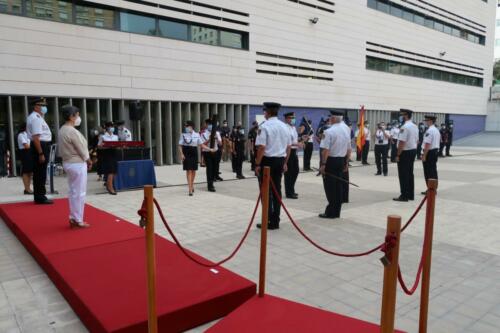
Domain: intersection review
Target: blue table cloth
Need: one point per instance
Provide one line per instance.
(134, 174)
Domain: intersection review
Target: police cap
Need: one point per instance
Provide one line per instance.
(407, 112)
(430, 117)
(120, 122)
(271, 106)
(189, 123)
(289, 114)
(39, 100)
(336, 113)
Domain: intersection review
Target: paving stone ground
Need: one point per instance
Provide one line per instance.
(465, 286)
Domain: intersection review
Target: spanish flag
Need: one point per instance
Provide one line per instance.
(360, 140)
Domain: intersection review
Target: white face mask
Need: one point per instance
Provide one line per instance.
(78, 121)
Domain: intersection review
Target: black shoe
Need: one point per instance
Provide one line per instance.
(400, 199)
(423, 193)
(411, 199)
(378, 174)
(449, 155)
(365, 163)
(190, 194)
(240, 177)
(211, 189)
(28, 192)
(292, 196)
(385, 175)
(110, 192)
(218, 178)
(324, 216)
(44, 202)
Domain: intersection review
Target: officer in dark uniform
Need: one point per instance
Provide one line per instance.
(224, 133)
(39, 133)
(444, 139)
(407, 150)
(432, 139)
(421, 132)
(274, 144)
(211, 142)
(238, 141)
(293, 161)
(252, 135)
(449, 127)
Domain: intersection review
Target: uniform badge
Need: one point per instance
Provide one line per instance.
(402, 130)
(258, 132)
(427, 134)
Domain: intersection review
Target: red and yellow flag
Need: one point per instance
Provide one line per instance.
(360, 140)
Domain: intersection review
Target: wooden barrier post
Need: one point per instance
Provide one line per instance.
(264, 190)
(151, 260)
(426, 271)
(390, 276)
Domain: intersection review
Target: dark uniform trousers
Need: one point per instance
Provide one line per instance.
(218, 159)
(366, 150)
(40, 172)
(308, 150)
(320, 157)
(449, 143)
(238, 159)
(394, 149)
(405, 172)
(292, 173)
(210, 164)
(430, 165)
(381, 158)
(345, 185)
(334, 187)
(253, 154)
(276, 165)
(419, 149)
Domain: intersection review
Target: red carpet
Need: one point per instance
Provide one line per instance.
(101, 271)
(272, 314)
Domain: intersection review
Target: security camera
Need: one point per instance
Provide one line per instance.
(314, 20)
(442, 54)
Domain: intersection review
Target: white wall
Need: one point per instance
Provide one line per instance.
(46, 58)
(493, 117)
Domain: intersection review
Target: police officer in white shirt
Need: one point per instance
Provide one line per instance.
(394, 142)
(431, 142)
(293, 161)
(366, 147)
(407, 151)
(345, 185)
(382, 137)
(41, 137)
(189, 142)
(23, 144)
(124, 133)
(211, 140)
(336, 146)
(274, 145)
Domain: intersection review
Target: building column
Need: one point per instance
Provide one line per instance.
(222, 114)
(158, 134)
(237, 114)
(109, 111)
(169, 160)
(121, 111)
(56, 116)
(176, 130)
(244, 116)
(26, 107)
(12, 137)
(230, 115)
(205, 113)
(70, 101)
(84, 118)
(197, 116)
(148, 138)
(97, 113)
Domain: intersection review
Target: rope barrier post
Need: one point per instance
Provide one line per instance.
(390, 274)
(426, 272)
(264, 190)
(151, 260)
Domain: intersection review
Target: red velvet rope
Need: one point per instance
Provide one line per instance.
(142, 213)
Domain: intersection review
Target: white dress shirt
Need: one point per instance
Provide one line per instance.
(275, 136)
(205, 139)
(409, 135)
(433, 137)
(294, 136)
(336, 140)
(23, 139)
(192, 139)
(36, 125)
(380, 135)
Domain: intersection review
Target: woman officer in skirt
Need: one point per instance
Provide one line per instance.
(188, 149)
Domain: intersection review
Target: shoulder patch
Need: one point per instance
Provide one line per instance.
(402, 130)
(259, 131)
(427, 134)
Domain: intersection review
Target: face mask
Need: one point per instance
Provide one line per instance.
(96, 133)
(110, 130)
(367, 125)
(44, 110)
(242, 131)
(78, 121)
(383, 127)
(293, 121)
(401, 119)
(225, 125)
(209, 127)
(187, 130)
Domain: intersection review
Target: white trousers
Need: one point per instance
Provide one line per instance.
(77, 189)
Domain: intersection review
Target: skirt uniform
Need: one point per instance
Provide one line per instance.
(26, 161)
(190, 158)
(109, 161)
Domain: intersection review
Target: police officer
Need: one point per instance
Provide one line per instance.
(41, 137)
(124, 133)
(444, 139)
(293, 162)
(226, 144)
(449, 127)
(336, 153)
(421, 132)
(394, 142)
(252, 135)
(431, 141)
(307, 137)
(345, 185)
(209, 147)
(274, 144)
(366, 147)
(238, 151)
(382, 137)
(407, 150)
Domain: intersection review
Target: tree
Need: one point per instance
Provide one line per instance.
(496, 72)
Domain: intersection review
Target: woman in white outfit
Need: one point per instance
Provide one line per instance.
(74, 152)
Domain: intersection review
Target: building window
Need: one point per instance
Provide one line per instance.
(408, 14)
(202, 35)
(172, 29)
(95, 17)
(231, 39)
(395, 67)
(11, 6)
(139, 24)
(60, 11)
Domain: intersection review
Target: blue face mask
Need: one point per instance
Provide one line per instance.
(110, 130)
(401, 119)
(44, 110)
(293, 122)
(187, 130)
(209, 127)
